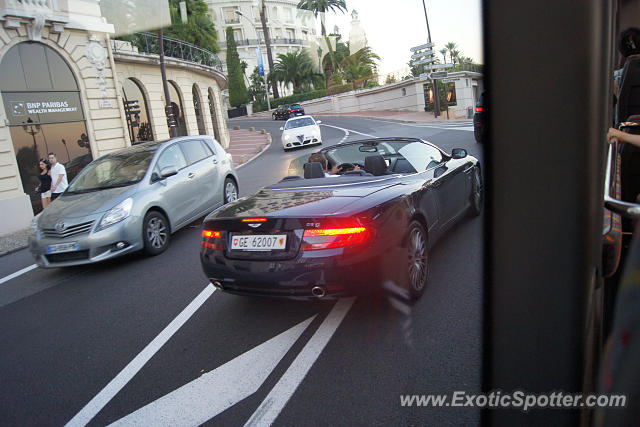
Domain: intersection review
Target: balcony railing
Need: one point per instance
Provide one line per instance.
(148, 43)
(274, 41)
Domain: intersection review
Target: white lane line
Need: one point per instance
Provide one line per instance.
(18, 273)
(347, 130)
(96, 404)
(278, 397)
(214, 392)
(453, 126)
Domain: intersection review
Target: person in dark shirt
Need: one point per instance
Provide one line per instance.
(45, 182)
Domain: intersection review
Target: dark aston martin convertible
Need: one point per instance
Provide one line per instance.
(322, 235)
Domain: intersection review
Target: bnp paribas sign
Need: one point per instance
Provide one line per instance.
(42, 107)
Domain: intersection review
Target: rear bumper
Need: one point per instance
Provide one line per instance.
(337, 273)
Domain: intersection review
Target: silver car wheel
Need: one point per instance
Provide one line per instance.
(417, 259)
(230, 191)
(156, 233)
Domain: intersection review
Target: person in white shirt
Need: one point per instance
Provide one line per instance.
(58, 177)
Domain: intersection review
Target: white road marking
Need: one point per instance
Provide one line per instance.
(18, 273)
(278, 397)
(96, 404)
(465, 126)
(214, 392)
(347, 131)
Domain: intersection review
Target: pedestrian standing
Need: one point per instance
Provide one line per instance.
(58, 177)
(45, 182)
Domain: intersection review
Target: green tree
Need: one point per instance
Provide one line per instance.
(198, 30)
(451, 46)
(257, 90)
(323, 6)
(294, 68)
(444, 51)
(359, 66)
(237, 90)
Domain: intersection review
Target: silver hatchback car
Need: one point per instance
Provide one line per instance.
(133, 199)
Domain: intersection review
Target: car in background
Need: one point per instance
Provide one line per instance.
(284, 112)
(347, 234)
(479, 120)
(281, 113)
(300, 132)
(133, 199)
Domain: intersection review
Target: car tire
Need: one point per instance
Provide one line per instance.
(477, 193)
(417, 260)
(230, 191)
(156, 234)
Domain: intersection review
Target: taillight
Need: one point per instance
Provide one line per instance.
(329, 238)
(254, 219)
(211, 240)
(478, 109)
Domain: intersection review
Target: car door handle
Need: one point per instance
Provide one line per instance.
(215, 160)
(436, 184)
(191, 175)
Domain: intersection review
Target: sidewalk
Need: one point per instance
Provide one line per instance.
(243, 147)
(394, 116)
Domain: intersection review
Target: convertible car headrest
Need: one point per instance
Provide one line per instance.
(313, 170)
(629, 91)
(375, 165)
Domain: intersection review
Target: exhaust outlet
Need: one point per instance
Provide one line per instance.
(217, 284)
(318, 291)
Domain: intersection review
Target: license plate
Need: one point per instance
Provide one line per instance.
(258, 242)
(63, 247)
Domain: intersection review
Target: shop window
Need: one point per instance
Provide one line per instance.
(44, 113)
(136, 111)
(197, 102)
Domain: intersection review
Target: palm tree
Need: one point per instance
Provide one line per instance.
(323, 6)
(443, 51)
(451, 46)
(455, 56)
(294, 68)
(359, 66)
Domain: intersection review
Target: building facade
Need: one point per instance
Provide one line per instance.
(290, 29)
(68, 88)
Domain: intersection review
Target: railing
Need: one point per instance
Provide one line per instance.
(254, 42)
(466, 67)
(148, 43)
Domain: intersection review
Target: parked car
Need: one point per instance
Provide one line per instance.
(347, 234)
(479, 120)
(301, 131)
(133, 199)
(296, 110)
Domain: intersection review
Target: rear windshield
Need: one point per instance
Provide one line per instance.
(296, 107)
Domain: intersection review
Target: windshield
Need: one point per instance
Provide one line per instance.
(297, 123)
(116, 170)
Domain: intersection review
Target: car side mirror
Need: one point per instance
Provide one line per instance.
(168, 171)
(318, 121)
(281, 128)
(458, 153)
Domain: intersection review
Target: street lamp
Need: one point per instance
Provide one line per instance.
(259, 55)
(32, 130)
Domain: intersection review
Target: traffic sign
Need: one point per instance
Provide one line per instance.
(424, 76)
(424, 61)
(449, 80)
(421, 47)
(421, 54)
(436, 66)
(438, 75)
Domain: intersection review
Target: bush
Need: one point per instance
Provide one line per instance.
(340, 89)
(298, 97)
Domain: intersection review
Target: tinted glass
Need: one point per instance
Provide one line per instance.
(34, 62)
(13, 76)
(139, 124)
(292, 124)
(195, 151)
(60, 72)
(172, 156)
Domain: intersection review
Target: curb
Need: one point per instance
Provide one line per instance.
(261, 151)
(10, 251)
(392, 119)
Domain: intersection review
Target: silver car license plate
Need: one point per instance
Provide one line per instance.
(63, 247)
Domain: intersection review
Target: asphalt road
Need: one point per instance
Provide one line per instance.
(147, 341)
